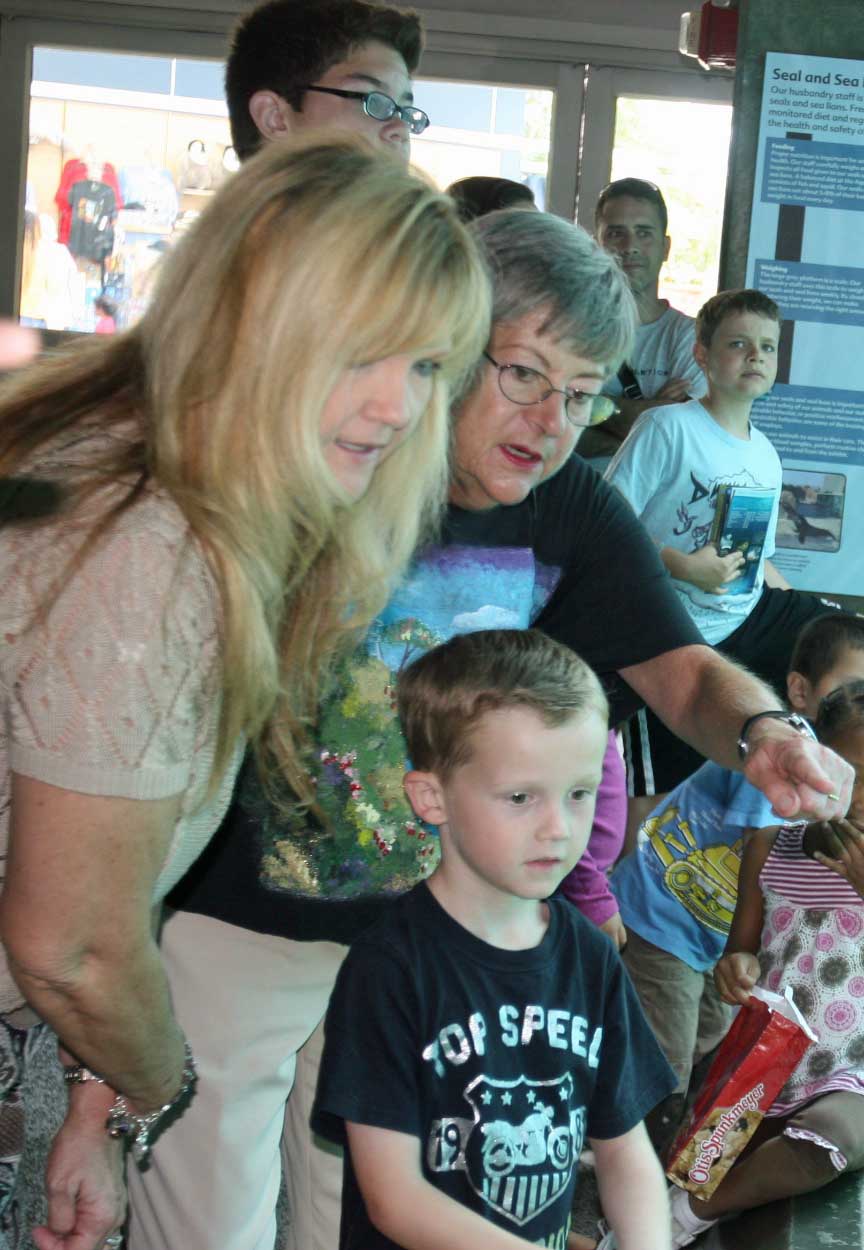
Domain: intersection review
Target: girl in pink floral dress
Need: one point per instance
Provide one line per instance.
(801, 907)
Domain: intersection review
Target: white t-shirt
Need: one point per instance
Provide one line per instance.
(669, 469)
(663, 350)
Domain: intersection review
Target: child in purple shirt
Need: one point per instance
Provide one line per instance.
(587, 886)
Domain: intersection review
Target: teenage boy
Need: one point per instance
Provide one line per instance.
(482, 1029)
(297, 64)
(676, 892)
(631, 222)
(671, 469)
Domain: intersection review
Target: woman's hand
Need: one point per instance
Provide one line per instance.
(735, 976)
(84, 1177)
(802, 779)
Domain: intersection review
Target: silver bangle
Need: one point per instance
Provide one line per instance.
(136, 1129)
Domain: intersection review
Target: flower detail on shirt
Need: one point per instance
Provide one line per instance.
(367, 842)
(359, 789)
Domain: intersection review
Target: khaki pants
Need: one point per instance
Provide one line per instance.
(251, 1007)
(687, 1015)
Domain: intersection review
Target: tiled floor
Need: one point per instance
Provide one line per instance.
(830, 1219)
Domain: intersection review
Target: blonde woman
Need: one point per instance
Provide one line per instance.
(178, 572)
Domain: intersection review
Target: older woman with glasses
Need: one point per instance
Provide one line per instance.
(533, 536)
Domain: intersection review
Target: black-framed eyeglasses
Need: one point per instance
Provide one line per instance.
(529, 386)
(381, 107)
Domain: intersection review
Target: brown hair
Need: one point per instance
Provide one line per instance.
(725, 304)
(444, 694)
(632, 189)
(285, 45)
(822, 641)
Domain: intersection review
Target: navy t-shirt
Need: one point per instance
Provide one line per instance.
(571, 559)
(498, 1063)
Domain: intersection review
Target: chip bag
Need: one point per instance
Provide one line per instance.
(756, 1058)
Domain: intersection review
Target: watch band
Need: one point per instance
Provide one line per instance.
(794, 719)
(77, 1074)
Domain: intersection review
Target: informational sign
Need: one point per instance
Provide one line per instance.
(807, 253)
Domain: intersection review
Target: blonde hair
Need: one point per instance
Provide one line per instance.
(316, 257)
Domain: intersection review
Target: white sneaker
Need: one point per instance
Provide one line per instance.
(686, 1226)
(607, 1240)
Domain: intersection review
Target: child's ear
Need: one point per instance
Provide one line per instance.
(797, 691)
(426, 796)
(699, 354)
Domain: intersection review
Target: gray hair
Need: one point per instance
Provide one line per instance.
(539, 261)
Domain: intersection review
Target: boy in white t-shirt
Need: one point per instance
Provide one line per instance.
(682, 463)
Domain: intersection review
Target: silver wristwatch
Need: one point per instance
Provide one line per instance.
(793, 719)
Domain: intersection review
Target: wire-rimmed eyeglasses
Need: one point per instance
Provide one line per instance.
(529, 386)
(381, 107)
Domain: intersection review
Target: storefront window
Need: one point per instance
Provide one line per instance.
(126, 149)
(124, 152)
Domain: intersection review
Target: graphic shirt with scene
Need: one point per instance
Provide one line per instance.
(675, 469)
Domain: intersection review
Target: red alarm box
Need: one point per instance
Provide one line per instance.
(710, 34)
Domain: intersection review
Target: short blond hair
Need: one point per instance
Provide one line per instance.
(444, 694)
(318, 256)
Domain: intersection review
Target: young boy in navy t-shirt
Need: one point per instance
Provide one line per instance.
(483, 1030)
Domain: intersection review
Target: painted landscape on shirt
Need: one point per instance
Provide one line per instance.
(372, 842)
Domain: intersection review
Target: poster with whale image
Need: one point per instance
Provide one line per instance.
(806, 250)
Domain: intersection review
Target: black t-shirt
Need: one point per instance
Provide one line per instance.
(498, 1062)
(572, 560)
(94, 208)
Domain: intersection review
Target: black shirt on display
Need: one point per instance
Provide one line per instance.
(500, 1063)
(571, 559)
(94, 209)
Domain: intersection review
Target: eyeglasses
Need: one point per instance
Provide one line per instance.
(381, 107)
(528, 386)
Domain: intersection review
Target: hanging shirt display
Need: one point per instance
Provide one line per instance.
(74, 171)
(94, 209)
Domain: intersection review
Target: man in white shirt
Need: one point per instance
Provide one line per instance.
(631, 223)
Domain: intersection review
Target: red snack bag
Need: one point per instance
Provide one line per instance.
(756, 1058)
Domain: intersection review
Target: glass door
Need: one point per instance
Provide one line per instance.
(483, 128)
(673, 130)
